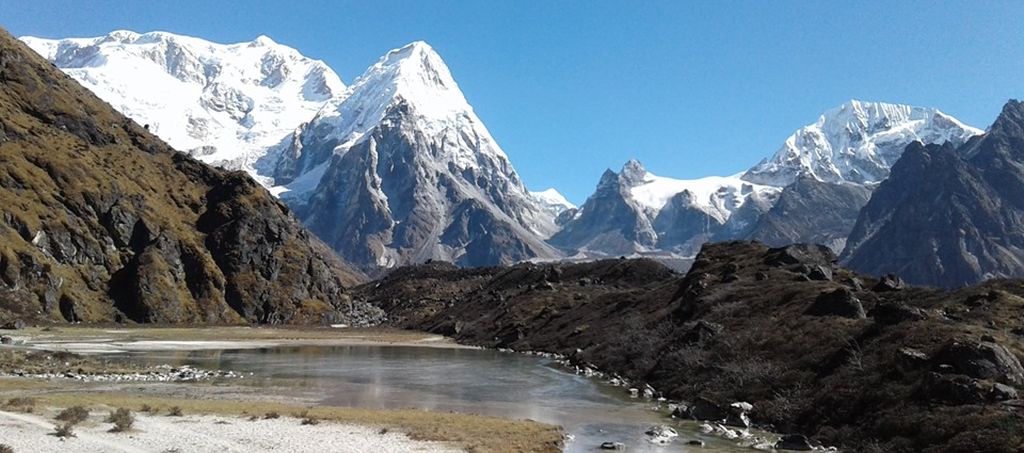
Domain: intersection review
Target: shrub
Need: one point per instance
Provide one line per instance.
(4, 448)
(22, 404)
(310, 420)
(73, 415)
(65, 430)
(122, 419)
(147, 408)
(174, 411)
(271, 415)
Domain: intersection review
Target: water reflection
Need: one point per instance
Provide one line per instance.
(441, 379)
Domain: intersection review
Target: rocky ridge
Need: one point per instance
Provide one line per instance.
(891, 367)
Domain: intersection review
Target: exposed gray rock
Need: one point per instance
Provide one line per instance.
(949, 216)
(838, 302)
(894, 313)
(982, 360)
(795, 442)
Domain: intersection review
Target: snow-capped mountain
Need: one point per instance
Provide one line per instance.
(552, 201)
(857, 142)
(400, 169)
(636, 211)
(226, 104)
(837, 161)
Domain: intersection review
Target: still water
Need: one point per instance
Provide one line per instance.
(463, 380)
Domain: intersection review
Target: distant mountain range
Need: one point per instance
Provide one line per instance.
(397, 168)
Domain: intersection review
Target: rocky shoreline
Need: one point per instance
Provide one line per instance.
(160, 373)
(822, 354)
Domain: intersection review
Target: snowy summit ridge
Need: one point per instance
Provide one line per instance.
(225, 104)
(857, 142)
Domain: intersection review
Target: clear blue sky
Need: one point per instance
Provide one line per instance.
(571, 88)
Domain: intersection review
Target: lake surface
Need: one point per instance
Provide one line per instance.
(472, 381)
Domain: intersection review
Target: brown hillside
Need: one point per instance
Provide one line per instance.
(102, 221)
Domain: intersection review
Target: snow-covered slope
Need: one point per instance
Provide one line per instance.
(224, 103)
(638, 211)
(552, 201)
(850, 147)
(400, 169)
(857, 142)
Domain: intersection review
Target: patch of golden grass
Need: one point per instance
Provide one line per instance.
(472, 432)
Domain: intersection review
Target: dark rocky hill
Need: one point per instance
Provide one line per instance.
(101, 221)
(852, 361)
(949, 217)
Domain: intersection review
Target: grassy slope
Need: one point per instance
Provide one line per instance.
(77, 179)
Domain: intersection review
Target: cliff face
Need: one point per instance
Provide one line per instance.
(949, 216)
(101, 221)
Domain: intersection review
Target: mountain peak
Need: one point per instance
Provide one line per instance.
(264, 41)
(413, 76)
(857, 142)
(633, 172)
(1011, 118)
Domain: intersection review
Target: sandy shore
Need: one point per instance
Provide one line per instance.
(204, 433)
(217, 416)
(86, 340)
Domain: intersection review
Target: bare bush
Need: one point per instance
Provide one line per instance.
(64, 430)
(122, 419)
(73, 415)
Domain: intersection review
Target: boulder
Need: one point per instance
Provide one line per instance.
(889, 282)
(6, 340)
(820, 273)
(738, 414)
(808, 254)
(795, 442)
(838, 302)
(1002, 392)
(706, 410)
(954, 389)
(695, 443)
(890, 313)
(613, 446)
(982, 360)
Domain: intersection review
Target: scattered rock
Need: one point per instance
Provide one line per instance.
(795, 442)
(890, 313)
(613, 446)
(6, 340)
(759, 276)
(889, 282)
(984, 360)
(839, 302)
